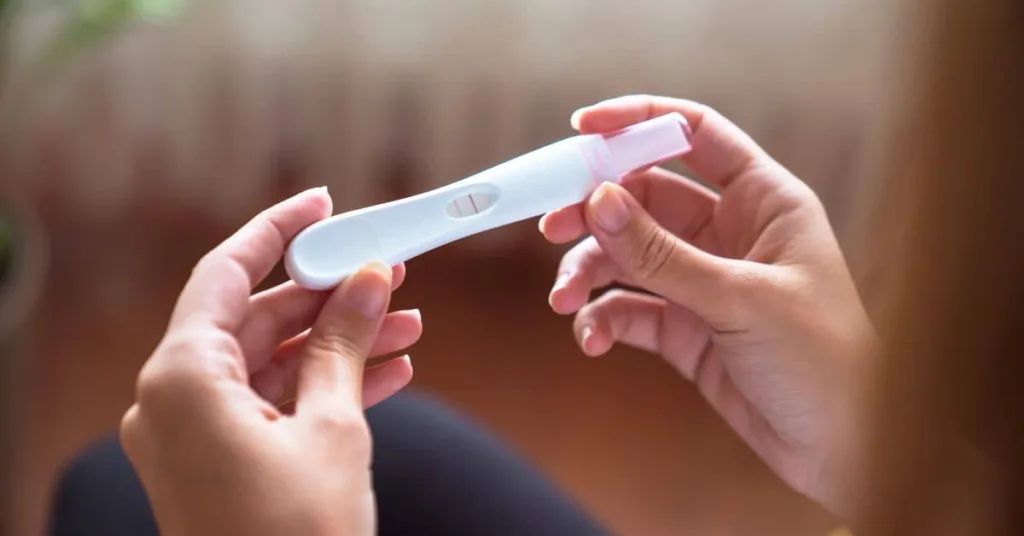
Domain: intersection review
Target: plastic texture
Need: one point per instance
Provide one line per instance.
(552, 177)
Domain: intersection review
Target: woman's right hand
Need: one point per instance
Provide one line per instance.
(752, 301)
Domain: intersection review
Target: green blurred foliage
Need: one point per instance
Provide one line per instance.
(89, 22)
(92, 21)
(86, 24)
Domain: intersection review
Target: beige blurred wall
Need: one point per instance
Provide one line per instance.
(204, 112)
(137, 150)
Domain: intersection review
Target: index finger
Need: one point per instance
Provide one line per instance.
(722, 151)
(218, 291)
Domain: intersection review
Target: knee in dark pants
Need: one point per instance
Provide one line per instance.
(99, 494)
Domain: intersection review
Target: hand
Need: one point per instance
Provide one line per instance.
(215, 456)
(752, 300)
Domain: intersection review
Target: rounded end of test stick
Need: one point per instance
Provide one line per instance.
(327, 252)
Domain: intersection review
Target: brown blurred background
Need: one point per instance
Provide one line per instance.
(146, 151)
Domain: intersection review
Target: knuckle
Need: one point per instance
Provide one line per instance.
(606, 306)
(179, 375)
(151, 385)
(160, 388)
(335, 343)
(800, 194)
(708, 110)
(223, 264)
(343, 426)
(272, 228)
(788, 195)
(130, 430)
(614, 297)
(579, 252)
(653, 253)
(204, 263)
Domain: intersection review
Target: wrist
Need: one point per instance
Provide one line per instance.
(844, 463)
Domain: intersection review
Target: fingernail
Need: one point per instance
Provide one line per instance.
(586, 334)
(609, 208)
(380, 268)
(369, 295)
(319, 191)
(416, 313)
(540, 223)
(574, 119)
(269, 390)
(561, 281)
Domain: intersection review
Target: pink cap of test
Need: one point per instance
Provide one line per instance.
(648, 143)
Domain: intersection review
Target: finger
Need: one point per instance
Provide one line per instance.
(661, 262)
(379, 382)
(398, 331)
(721, 151)
(282, 312)
(277, 379)
(563, 225)
(398, 273)
(583, 269)
(679, 204)
(219, 288)
(383, 380)
(335, 352)
(620, 316)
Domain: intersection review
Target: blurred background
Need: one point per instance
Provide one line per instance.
(136, 134)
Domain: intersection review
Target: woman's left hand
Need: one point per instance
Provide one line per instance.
(213, 451)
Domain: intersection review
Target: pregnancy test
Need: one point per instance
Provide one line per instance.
(558, 175)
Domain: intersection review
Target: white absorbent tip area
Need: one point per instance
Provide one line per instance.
(648, 143)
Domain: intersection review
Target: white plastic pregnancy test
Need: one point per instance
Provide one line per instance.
(552, 177)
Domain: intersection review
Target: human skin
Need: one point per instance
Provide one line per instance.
(747, 292)
(214, 453)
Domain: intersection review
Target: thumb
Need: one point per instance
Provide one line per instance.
(335, 352)
(659, 261)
